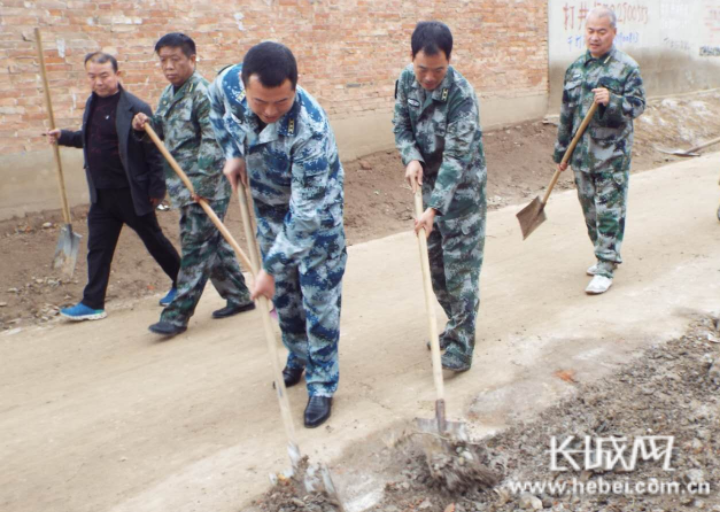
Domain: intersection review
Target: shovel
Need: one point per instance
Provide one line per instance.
(66, 250)
(438, 427)
(688, 152)
(316, 477)
(533, 214)
(451, 458)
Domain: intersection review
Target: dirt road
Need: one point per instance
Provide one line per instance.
(105, 417)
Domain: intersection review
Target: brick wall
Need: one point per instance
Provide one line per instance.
(349, 51)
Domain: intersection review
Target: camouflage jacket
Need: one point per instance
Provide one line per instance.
(296, 178)
(182, 120)
(610, 133)
(442, 130)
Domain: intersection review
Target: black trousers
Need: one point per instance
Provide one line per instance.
(114, 207)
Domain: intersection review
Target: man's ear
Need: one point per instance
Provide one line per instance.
(193, 59)
(119, 73)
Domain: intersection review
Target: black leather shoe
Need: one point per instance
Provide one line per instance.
(317, 410)
(167, 329)
(233, 309)
(292, 376)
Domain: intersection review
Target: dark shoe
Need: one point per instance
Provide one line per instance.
(456, 362)
(317, 410)
(167, 329)
(292, 376)
(233, 309)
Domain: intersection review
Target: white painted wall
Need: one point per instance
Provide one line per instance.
(676, 42)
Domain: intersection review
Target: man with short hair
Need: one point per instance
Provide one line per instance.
(437, 131)
(601, 161)
(182, 120)
(125, 178)
(277, 139)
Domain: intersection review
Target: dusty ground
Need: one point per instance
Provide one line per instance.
(668, 390)
(378, 204)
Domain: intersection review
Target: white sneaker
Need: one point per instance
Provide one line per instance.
(598, 285)
(591, 271)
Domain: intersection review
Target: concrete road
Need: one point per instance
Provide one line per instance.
(104, 416)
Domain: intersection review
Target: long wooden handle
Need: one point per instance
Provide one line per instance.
(251, 263)
(208, 210)
(429, 303)
(267, 326)
(702, 146)
(51, 121)
(570, 149)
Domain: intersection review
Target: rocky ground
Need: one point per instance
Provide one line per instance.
(378, 203)
(671, 390)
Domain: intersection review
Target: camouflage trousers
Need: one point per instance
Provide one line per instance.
(205, 255)
(307, 300)
(456, 248)
(603, 197)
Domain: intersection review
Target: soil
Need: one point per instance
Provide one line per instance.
(670, 390)
(378, 203)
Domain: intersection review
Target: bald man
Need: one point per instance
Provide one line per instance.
(601, 161)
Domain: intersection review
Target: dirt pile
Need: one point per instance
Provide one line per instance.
(670, 391)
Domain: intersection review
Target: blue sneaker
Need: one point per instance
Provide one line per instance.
(81, 312)
(165, 301)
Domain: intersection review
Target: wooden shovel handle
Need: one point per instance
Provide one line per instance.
(570, 149)
(208, 210)
(267, 325)
(702, 146)
(254, 265)
(51, 122)
(429, 303)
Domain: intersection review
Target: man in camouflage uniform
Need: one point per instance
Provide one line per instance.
(601, 160)
(182, 120)
(277, 138)
(437, 131)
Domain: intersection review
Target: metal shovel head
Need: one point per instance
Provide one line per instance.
(66, 250)
(531, 217)
(435, 440)
(318, 480)
(677, 152)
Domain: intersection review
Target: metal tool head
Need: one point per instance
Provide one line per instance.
(454, 430)
(436, 438)
(318, 480)
(66, 250)
(677, 152)
(454, 461)
(531, 217)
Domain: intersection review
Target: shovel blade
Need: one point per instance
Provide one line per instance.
(453, 429)
(66, 250)
(317, 479)
(531, 217)
(435, 442)
(677, 152)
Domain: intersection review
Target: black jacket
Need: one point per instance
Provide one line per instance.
(141, 160)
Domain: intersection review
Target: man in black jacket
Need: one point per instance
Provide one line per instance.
(126, 181)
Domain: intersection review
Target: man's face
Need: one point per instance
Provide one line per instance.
(103, 79)
(269, 103)
(176, 66)
(599, 35)
(430, 70)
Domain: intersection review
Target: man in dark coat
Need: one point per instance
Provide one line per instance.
(126, 182)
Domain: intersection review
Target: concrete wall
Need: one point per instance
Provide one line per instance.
(676, 42)
(349, 52)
